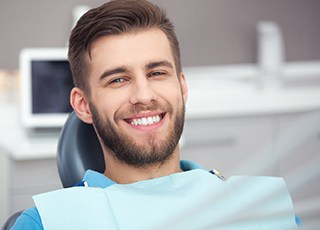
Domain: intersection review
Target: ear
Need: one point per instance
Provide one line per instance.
(184, 87)
(80, 105)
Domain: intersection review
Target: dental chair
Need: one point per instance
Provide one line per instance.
(78, 150)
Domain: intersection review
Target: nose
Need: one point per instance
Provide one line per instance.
(142, 92)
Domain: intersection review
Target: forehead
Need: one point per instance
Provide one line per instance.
(130, 49)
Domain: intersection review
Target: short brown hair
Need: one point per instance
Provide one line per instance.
(113, 18)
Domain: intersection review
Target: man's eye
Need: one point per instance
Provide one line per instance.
(156, 73)
(117, 80)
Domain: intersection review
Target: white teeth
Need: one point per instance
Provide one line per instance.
(150, 120)
(146, 120)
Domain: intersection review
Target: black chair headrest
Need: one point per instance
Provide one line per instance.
(78, 150)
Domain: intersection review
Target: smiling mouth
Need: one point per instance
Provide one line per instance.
(145, 121)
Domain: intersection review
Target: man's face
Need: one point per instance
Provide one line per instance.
(137, 99)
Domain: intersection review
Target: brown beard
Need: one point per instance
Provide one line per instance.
(124, 148)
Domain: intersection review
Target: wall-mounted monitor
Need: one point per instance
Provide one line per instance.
(46, 82)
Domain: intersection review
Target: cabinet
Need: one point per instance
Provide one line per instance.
(298, 145)
(21, 179)
(31, 177)
(232, 146)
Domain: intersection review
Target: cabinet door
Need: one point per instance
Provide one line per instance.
(233, 146)
(31, 177)
(298, 143)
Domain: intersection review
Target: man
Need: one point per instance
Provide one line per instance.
(129, 84)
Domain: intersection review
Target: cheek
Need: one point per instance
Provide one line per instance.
(114, 106)
(174, 96)
(172, 89)
(104, 105)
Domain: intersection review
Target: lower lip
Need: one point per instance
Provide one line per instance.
(148, 127)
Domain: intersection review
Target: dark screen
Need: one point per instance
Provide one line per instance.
(51, 86)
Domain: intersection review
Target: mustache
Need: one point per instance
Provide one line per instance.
(153, 106)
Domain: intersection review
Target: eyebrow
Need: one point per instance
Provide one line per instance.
(156, 64)
(112, 72)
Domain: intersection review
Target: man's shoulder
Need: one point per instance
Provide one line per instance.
(29, 219)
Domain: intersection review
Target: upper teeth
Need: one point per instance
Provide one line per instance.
(146, 120)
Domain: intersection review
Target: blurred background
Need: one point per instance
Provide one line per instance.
(211, 32)
(253, 70)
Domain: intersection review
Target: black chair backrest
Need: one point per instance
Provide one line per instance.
(10, 221)
(78, 150)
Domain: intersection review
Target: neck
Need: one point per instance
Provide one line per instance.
(123, 173)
